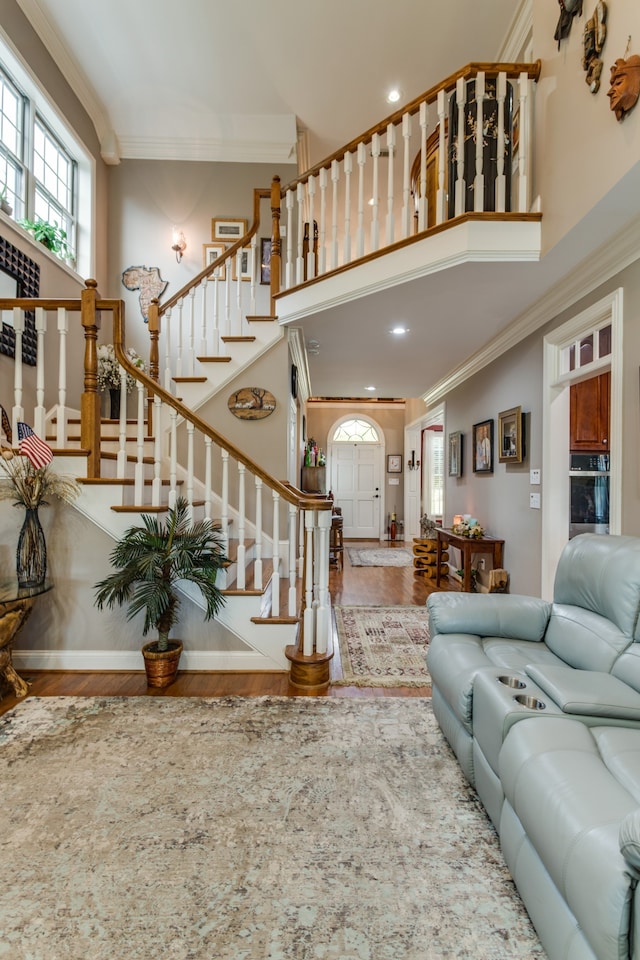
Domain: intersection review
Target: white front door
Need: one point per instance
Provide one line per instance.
(355, 483)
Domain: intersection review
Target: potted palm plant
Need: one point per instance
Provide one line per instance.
(151, 560)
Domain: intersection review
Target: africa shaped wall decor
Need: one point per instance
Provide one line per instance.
(251, 403)
(149, 282)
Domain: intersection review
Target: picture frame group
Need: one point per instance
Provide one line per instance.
(510, 443)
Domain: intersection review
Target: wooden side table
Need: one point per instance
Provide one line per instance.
(468, 546)
(16, 604)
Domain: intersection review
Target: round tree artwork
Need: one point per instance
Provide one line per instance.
(251, 403)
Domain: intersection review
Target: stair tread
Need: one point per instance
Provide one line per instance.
(124, 481)
(189, 379)
(238, 339)
(259, 319)
(147, 508)
(214, 360)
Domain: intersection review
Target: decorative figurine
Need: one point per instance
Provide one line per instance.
(625, 86)
(568, 10)
(595, 33)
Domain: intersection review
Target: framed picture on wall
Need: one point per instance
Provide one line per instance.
(265, 260)
(394, 463)
(510, 448)
(455, 454)
(245, 258)
(483, 447)
(210, 253)
(229, 230)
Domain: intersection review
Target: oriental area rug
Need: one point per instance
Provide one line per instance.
(383, 646)
(379, 557)
(246, 829)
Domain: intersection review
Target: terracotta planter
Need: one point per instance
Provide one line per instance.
(161, 666)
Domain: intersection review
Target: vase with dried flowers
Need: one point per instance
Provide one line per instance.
(32, 487)
(109, 377)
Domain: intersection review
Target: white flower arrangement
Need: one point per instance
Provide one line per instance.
(468, 528)
(109, 368)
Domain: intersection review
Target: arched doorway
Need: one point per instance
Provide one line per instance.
(356, 455)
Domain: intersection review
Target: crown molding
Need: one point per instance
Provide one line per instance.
(67, 66)
(606, 262)
(518, 35)
(212, 149)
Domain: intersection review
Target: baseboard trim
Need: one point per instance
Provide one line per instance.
(128, 660)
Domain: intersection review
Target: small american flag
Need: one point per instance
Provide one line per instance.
(32, 447)
(6, 425)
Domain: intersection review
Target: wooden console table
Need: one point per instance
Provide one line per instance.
(467, 546)
(16, 604)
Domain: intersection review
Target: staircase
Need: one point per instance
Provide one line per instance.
(278, 605)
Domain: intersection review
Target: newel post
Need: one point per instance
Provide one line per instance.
(276, 240)
(90, 400)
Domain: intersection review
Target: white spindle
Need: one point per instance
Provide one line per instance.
(500, 185)
(293, 599)
(323, 608)
(208, 444)
(121, 463)
(348, 170)
(300, 216)
(391, 146)
(39, 413)
(190, 466)
(275, 551)
(311, 257)
(156, 489)
(191, 359)
(203, 318)
(406, 176)
(179, 353)
(139, 471)
(173, 458)
(335, 180)
(168, 378)
(362, 159)
(308, 619)
(461, 90)
(375, 206)
(241, 575)
(253, 272)
(478, 182)
(423, 215)
(18, 410)
(289, 266)
(441, 196)
(257, 563)
(215, 333)
(61, 416)
(228, 299)
(322, 233)
(224, 499)
(523, 146)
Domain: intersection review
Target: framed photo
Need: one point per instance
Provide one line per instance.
(210, 253)
(265, 260)
(483, 447)
(229, 230)
(394, 463)
(510, 449)
(455, 454)
(245, 264)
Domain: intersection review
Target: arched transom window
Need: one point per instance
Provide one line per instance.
(356, 431)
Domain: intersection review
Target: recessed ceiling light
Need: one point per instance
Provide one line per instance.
(394, 95)
(399, 331)
(369, 388)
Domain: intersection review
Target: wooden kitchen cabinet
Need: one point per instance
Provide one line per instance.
(589, 415)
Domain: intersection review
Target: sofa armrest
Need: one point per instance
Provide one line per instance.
(587, 693)
(629, 839)
(489, 615)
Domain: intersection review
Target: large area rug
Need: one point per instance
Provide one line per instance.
(383, 646)
(379, 557)
(246, 829)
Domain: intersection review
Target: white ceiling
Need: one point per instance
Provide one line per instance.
(214, 80)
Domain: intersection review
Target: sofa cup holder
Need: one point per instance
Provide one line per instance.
(514, 682)
(531, 703)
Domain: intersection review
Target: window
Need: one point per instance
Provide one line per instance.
(435, 444)
(356, 431)
(47, 170)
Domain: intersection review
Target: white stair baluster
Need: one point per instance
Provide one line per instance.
(289, 266)
(323, 607)
(375, 206)
(322, 234)
(18, 409)
(362, 159)
(224, 499)
(406, 177)
(191, 360)
(190, 466)
(241, 576)
(61, 415)
(308, 618)
(203, 318)
(391, 146)
(478, 182)
(208, 444)
(253, 273)
(168, 376)
(139, 472)
(156, 488)
(523, 145)
(275, 576)
(461, 90)
(215, 343)
(335, 179)
(228, 323)
(39, 412)
(292, 544)
(300, 216)
(257, 563)
(441, 196)
(311, 257)
(173, 458)
(348, 170)
(423, 213)
(179, 356)
(121, 463)
(500, 186)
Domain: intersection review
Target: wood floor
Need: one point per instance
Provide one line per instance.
(369, 586)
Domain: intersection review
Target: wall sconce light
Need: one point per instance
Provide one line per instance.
(413, 464)
(179, 244)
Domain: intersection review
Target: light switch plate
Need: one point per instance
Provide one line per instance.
(534, 476)
(534, 501)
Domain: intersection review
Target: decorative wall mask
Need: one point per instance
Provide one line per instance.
(595, 33)
(251, 403)
(568, 10)
(625, 86)
(149, 282)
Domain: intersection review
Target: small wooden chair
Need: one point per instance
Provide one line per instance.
(336, 544)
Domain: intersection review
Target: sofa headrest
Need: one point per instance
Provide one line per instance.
(602, 574)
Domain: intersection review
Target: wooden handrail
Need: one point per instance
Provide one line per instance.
(258, 195)
(290, 495)
(512, 70)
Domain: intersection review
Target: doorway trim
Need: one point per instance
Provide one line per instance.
(555, 428)
(379, 445)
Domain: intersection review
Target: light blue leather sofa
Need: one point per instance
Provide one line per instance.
(541, 705)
